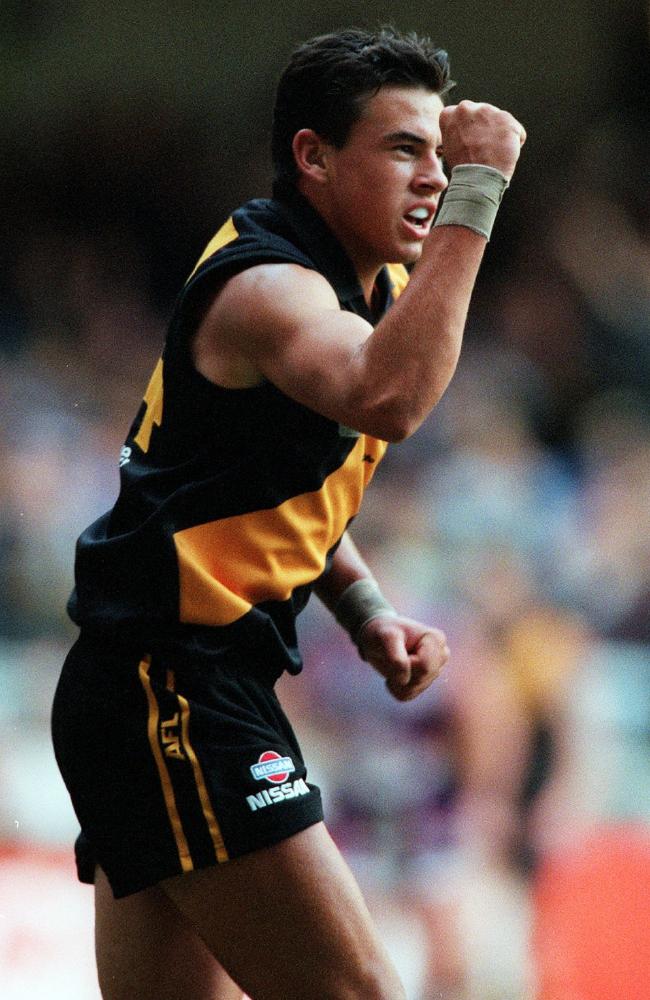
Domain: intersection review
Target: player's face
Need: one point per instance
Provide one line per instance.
(384, 184)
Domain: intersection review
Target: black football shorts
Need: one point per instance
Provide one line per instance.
(174, 761)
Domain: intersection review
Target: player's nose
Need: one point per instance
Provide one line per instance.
(431, 175)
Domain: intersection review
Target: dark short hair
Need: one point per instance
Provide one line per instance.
(327, 79)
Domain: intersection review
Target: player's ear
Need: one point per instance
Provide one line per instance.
(310, 153)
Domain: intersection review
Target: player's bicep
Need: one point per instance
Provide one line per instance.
(286, 321)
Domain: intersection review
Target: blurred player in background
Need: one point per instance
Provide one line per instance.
(298, 348)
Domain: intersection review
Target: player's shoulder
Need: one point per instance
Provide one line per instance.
(275, 287)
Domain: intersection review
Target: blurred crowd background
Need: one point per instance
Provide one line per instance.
(499, 825)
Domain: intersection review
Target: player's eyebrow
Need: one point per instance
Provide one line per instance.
(405, 137)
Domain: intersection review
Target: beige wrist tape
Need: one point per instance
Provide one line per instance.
(472, 198)
(360, 603)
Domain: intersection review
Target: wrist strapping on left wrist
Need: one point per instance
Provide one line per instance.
(359, 604)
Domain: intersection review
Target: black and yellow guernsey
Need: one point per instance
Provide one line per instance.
(232, 501)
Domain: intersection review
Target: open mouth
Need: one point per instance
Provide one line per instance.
(420, 217)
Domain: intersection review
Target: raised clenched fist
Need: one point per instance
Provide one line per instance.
(481, 133)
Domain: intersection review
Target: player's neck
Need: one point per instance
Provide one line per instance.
(367, 270)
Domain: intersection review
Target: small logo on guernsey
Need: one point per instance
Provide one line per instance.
(273, 796)
(272, 767)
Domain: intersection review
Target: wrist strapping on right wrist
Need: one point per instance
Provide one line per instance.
(360, 603)
(472, 198)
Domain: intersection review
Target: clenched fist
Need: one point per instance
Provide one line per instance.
(408, 654)
(481, 133)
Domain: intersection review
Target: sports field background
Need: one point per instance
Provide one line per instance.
(500, 825)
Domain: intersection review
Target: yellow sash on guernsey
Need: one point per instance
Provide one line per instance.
(225, 235)
(229, 565)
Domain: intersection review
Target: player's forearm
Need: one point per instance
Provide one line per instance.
(347, 567)
(351, 592)
(411, 357)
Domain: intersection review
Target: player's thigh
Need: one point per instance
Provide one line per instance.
(146, 950)
(289, 921)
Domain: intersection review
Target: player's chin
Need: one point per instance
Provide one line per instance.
(408, 252)
(415, 253)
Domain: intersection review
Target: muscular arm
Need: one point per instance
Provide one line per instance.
(286, 322)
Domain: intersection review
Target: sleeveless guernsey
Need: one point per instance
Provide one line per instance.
(232, 501)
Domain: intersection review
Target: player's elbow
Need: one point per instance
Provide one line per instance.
(397, 430)
(403, 429)
(394, 411)
(394, 420)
